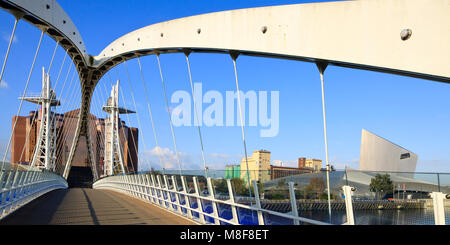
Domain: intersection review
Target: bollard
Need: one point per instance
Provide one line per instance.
(348, 204)
(438, 207)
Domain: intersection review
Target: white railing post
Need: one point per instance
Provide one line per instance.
(438, 207)
(348, 204)
(169, 197)
(199, 201)
(233, 208)
(155, 190)
(214, 204)
(177, 197)
(186, 197)
(293, 202)
(161, 192)
(258, 202)
(148, 187)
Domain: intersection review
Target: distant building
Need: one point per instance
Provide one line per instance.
(22, 149)
(280, 172)
(301, 162)
(258, 167)
(314, 164)
(232, 171)
(379, 154)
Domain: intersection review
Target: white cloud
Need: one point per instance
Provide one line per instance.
(285, 163)
(166, 158)
(3, 84)
(7, 37)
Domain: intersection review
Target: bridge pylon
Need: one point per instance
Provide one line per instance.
(45, 151)
(113, 158)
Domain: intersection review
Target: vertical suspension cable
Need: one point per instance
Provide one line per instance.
(150, 111)
(234, 57)
(62, 134)
(196, 114)
(168, 113)
(7, 51)
(62, 91)
(21, 101)
(53, 56)
(135, 108)
(60, 69)
(322, 66)
(27, 137)
(68, 126)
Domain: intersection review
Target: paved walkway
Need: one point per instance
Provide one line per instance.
(83, 206)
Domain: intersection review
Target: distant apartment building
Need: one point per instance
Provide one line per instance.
(314, 164)
(311, 163)
(232, 171)
(258, 167)
(280, 172)
(22, 147)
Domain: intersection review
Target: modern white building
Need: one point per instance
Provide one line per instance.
(379, 154)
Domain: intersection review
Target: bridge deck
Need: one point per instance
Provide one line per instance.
(84, 206)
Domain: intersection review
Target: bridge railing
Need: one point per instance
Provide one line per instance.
(19, 187)
(184, 196)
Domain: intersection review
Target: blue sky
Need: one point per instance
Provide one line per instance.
(410, 112)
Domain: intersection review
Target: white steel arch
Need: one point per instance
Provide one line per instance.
(358, 34)
(405, 37)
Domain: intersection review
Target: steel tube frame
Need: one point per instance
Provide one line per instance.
(25, 187)
(150, 188)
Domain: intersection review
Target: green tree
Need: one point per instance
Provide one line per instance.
(220, 185)
(281, 184)
(381, 185)
(239, 186)
(316, 185)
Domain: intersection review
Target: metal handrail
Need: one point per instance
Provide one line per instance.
(18, 188)
(150, 189)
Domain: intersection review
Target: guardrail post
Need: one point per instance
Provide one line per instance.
(348, 204)
(293, 202)
(151, 181)
(177, 196)
(258, 202)
(23, 187)
(161, 191)
(199, 201)
(233, 208)
(213, 203)
(148, 196)
(156, 191)
(18, 188)
(186, 198)
(438, 207)
(169, 196)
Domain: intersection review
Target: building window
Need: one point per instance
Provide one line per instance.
(405, 155)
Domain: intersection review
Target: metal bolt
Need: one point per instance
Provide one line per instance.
(264, 29)
(405, 34)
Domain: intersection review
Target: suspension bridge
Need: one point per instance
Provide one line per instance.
(40, 184)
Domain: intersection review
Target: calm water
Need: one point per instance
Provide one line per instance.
(380, 217)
